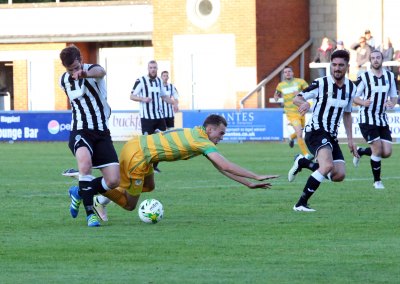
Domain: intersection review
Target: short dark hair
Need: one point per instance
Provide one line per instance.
(69, 54)
(214, 119)
(288, 66)
(341, 54)
(163, 72)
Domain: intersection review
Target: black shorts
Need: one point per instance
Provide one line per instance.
(99, 144)
(319, 138)
(170, 122)
(373, 132)
(149, 126)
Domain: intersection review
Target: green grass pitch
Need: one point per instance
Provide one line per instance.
(214, 230)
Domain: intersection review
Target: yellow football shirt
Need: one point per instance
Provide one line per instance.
(288, 89)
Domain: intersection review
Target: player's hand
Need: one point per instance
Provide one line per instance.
(303, 108)
(265, 177)
(260, 185)
(276, 97)
(367, 103)
(79, 75)
(353, 150)
(176, 107)
(389, 104)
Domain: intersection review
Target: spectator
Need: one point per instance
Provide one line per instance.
(340, 46)
(323, 55)
(387, 51)
(370, 39)
(363, 52)
(396, 69)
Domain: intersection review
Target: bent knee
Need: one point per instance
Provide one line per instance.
(326, 169)
(112, 182)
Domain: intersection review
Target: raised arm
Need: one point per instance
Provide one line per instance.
(95, 71)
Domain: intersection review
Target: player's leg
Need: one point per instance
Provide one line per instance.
(386, 148)
(300, 141)
(158, 124)
(324, 156)
(376, 163)
(132, 171)
(170, 122)
(381, 148)
(293, 135)
(386, 138)
(302, 162)
(338, 172)
(83, 156)
(80, 145)
(104, 158)
(110, 179)
(367, 132)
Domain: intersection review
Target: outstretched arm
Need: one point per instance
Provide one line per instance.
(237, 173)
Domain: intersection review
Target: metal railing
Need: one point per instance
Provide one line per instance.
(261, 86)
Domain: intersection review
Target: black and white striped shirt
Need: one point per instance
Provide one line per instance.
(149, 88)
(378, 90)
(170, 91)
(88, 99)
(329, 103)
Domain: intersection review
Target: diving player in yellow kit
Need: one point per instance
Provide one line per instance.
(139, 154)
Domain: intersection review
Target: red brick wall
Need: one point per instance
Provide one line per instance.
(267, 32)
(282, 27)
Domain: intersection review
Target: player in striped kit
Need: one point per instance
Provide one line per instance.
(333, 96)
(168, 109)
(150, 94)
(139, 153)
(376, 92)
(90, 139)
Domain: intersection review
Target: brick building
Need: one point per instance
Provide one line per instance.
(216, 50)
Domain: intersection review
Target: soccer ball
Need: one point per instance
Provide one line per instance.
(151, 211)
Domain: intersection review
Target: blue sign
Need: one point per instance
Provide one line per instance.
(243, 125)
(35, 126)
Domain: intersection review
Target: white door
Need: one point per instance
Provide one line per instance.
(41, 84)
(124, 66)
(204, 68)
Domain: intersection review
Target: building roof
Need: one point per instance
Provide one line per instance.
(78, 21)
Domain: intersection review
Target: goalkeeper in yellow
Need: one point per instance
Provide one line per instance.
(289, 88)
(138, 155)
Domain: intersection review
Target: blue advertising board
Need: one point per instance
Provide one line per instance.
(243, 125)
(34, 126)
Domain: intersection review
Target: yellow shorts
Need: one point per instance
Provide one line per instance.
(296, 119)
(133, 168)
